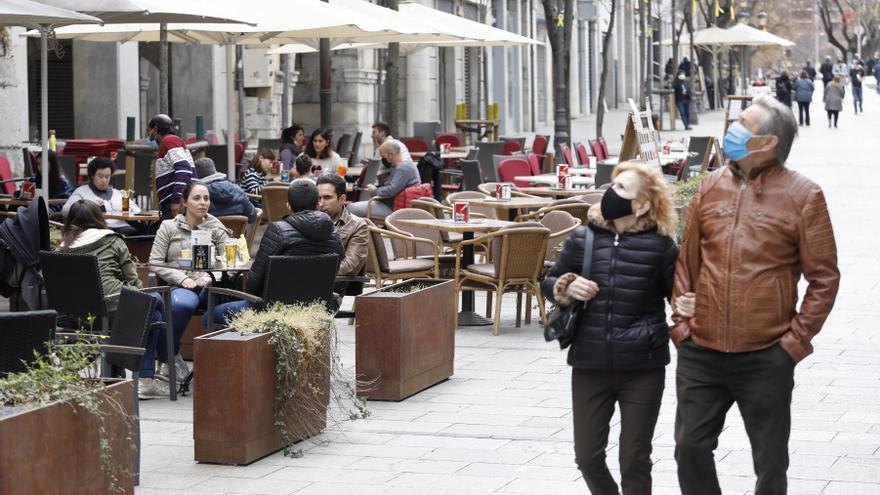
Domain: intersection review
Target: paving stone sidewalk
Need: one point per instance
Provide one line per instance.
(502, 424)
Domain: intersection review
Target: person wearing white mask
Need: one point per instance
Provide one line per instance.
(683, 99)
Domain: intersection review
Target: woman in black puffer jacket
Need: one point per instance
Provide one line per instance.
(620, 351)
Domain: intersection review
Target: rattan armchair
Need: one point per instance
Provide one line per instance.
(235, 223)
(380, 268)
(518, 260)
(573, 207)
(21, 335)
(274, 197)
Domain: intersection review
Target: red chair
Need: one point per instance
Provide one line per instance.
(6, 175)
(534, 164)
(451, 139)
(415, 145)
(566, 152)
(405, 198)
(583, 154)
(539, 145)
(604, 146)
(239, 152)
(513, 167)
(511, 147)
(597, 150)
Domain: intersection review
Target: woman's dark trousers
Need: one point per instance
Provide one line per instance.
(684, 110)
(803, 109)
(708, 382)
(594, 394)
(832, 113)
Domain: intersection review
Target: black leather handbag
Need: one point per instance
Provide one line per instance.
(562, 322)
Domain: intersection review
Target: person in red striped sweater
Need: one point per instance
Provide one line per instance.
(174, 164)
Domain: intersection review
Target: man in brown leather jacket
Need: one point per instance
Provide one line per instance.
(754, 228)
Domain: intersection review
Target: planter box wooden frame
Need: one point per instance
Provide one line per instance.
(405, 341)
(56, 448)
(234, 408)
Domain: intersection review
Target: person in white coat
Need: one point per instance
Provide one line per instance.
(99, 191)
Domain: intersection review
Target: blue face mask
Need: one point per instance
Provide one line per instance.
(151, 141)
(736, 142)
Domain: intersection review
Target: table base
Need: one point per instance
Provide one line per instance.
(472, 319)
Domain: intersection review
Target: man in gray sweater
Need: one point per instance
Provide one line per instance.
(403, 174)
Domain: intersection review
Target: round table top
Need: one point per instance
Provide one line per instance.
(509, 204)
(127, 216)
(475, 225)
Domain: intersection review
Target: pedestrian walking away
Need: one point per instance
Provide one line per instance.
(783, 89)
(626, 260)
(827, 71)
(857, 75)
(811, 72)
(834, 94)
(754, 228)
(683, 99)
(803, 95)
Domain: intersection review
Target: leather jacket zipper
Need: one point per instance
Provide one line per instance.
(608, 354)
(742, 189)
(781, 289)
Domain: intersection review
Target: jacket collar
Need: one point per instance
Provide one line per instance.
(643, 224)
(756, 175)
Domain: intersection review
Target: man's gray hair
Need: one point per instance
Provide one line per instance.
(778, 121)
(393, 145)
(205, 167)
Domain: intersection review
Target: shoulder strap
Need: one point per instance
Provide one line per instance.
(588, 252)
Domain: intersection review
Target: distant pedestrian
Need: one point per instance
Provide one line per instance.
(669, 69)
(783, 89)
(827, 70)
(683, 99)
(756, 229)
(834, 94)
(710, 92)
(803, 95)
(872, 63)
(856, 75)
(840, 70)
(811, 72)
(877, 75)
(685, 66)
(621, 346)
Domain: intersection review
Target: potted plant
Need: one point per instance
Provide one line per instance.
(264, 383)
(63, 429)
(684, 195)
(405, 338)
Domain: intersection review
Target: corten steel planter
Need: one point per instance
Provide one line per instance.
(234, 408)
(194, 328)
(405, 341)
(55, 449)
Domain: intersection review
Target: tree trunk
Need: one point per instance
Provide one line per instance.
(163, 68)
(392, 81)
(644, 46)
(606, 41)
(326, 77)
(560, 44)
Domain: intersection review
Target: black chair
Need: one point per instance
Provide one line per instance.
(118, 180)
(471, 174)
(355, 149)
(699, 148)
(217, 153)
(271, 144)
(126, 347)
(486, 150)
(316, 275)
(28, 160)
(74, 289)
(69, 168)
(343, 146)
(21, 335)
(369, 174)
(143, 177)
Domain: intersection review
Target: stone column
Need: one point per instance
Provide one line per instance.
(13, 97)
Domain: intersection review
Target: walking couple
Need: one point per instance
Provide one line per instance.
(753, 229)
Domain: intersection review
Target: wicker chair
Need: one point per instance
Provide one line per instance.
(561, 224)
(380, 268)
(518, 260)
(488, 188)
(236, 223)
(23, 334)
(250, 232)
(421, 250)
(275, 202)
(591, 198)
(574, 207)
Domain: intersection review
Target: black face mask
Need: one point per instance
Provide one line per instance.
(386, 163)
(614, 207)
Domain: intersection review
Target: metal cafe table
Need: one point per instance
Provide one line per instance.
(467, 316)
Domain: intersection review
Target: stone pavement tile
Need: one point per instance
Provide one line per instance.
(452, 442)
(252, 471)
(408, 465)
(325, 488)
(492, 410)
(366, 450)
(474, 418)
(505, 432)
(473, 455)
(144, 490)
(522, 486)
(220, 484)
(153, 479)
(486, 399)
(309, 458)
(570, 473)
(812, 435)
(554, 460)
(455, 482)
(850, 488)
(393, 427)
(332, 474)
(831, 448)
(335, 435)
(798, 486)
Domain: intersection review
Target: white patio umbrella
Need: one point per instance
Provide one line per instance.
(42, 17)
(315, 19)
(749, 36)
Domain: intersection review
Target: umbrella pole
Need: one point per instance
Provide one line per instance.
(44, 111)
(163, 68)
(230, 110)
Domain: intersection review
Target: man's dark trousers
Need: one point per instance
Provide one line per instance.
(708, 382)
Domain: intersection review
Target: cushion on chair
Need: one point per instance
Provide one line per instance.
(485, 269)
(379, 247)
(404, 199)
(410, 265)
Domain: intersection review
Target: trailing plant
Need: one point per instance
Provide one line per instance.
(684, 195)
(407, 288)
(67, 373)
(303, 336)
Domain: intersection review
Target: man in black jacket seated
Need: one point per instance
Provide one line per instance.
(306, 231)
